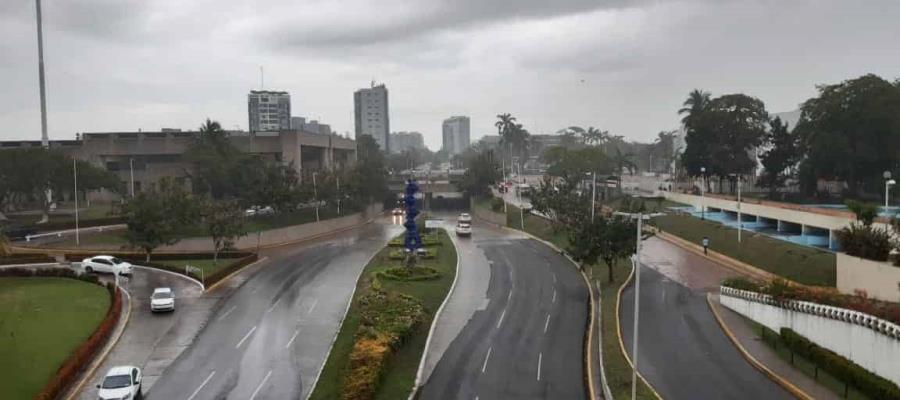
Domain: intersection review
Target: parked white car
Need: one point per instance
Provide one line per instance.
(464, 217)
(107, 264)
(463, 229)
(162, 299)
(121, 383)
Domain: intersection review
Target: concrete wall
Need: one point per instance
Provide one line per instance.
(786, 213)
(870, 342)
(283, 235)
(880, 280)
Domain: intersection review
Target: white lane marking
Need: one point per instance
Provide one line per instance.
(255, 392)
(509, 296)
(540, 356)
(227, 312)
(554, 296)
(313, 306)
(292, 338)
(245, 337)
(486, 358)
(547, 323)
(205, 381)
(272, 307)
(500, 322)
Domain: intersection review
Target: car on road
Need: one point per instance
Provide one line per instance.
(397, 211)
(107, 264)
(162, 299)
(257, 210)
(121, 383)
(463, 229)
(464, 217)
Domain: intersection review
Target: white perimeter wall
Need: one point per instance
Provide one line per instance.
(872, 349)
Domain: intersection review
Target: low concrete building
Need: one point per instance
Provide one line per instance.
(149, 156)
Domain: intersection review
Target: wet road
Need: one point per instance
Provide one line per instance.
(683, 352)
(514, 326)
(270, 338)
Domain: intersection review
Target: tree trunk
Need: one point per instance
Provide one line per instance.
(610, 268)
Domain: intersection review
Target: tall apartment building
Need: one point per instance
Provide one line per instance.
(403, 141)
(269, 111)
(455, 134)
(370, 108)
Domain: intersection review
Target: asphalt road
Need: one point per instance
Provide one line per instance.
(522, 325)
(270, 338)
(682, 351)
(152, 340)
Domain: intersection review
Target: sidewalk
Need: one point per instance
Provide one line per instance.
(765, 355)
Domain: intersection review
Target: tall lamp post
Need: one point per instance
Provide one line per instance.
(593, 192)
(316, 196)
(702, 192)
(637, 293)
(887, 187)
(75, 176)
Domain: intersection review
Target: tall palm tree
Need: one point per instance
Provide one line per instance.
(504, 123)
(696, 102)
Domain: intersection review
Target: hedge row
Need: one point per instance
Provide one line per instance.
(781, 290)
(25, 259)
(873, 386)
(82, 356)
(387, 320)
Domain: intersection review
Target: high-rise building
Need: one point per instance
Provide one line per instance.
(455, 135)
(269, 111)
(370, 107)
(404, 141)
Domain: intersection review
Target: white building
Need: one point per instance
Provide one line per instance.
(455, 134)
(269, 111)
(370, 107)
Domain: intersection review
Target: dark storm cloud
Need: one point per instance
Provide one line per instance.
(109, 20)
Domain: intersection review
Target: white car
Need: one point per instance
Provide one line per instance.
(121, 383)
(162, 299)
(464, 217)
(107, 264)
(463, 229)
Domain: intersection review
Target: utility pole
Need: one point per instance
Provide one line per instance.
(75, 173)
(316, 196)
(637, 306)
(593, 193)
(45, 140)
(740, 220)
(131, 169)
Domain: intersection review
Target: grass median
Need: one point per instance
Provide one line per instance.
(42, 320)
(803, 264)
(399, 373)
(207, 265)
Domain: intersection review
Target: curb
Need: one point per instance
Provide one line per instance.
(619, 330)
(99, 359)
(231, 275)
(783, 382)
(171, 273)
(344, 317)
(590, 334)
(418, 383)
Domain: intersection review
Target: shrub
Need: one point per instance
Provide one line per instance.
(782, 290)
(409, 274)
(866, 241)
(845, 370)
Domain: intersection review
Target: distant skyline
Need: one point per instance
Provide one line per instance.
(621, 66)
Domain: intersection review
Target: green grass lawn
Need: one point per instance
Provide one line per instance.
(42, 320)
(111, 239)
(802, 264)
(95, 211)
(206, 265)
(618, 372)
(399, 376)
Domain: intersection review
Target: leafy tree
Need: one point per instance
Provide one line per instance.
(866, 241)
(155, 216)
(513, 137)
(779, 158)
(219, 165)
(368, 180)
(609, 238)
(663, 149)
(865, 212)
(850, 132)
(481, 173)
(224, 221)
(558, 199)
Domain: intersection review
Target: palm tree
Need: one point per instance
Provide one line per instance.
(696, 102)
(505, 122)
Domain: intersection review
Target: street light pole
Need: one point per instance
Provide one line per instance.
(637, 306)
(887, 193)
(75, 174)
(702, 192)
(740, 221)
(593, 193)
(316, 196)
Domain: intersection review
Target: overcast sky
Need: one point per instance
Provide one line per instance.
(623, 66)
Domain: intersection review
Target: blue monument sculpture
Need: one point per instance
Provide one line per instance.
(412, 241)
